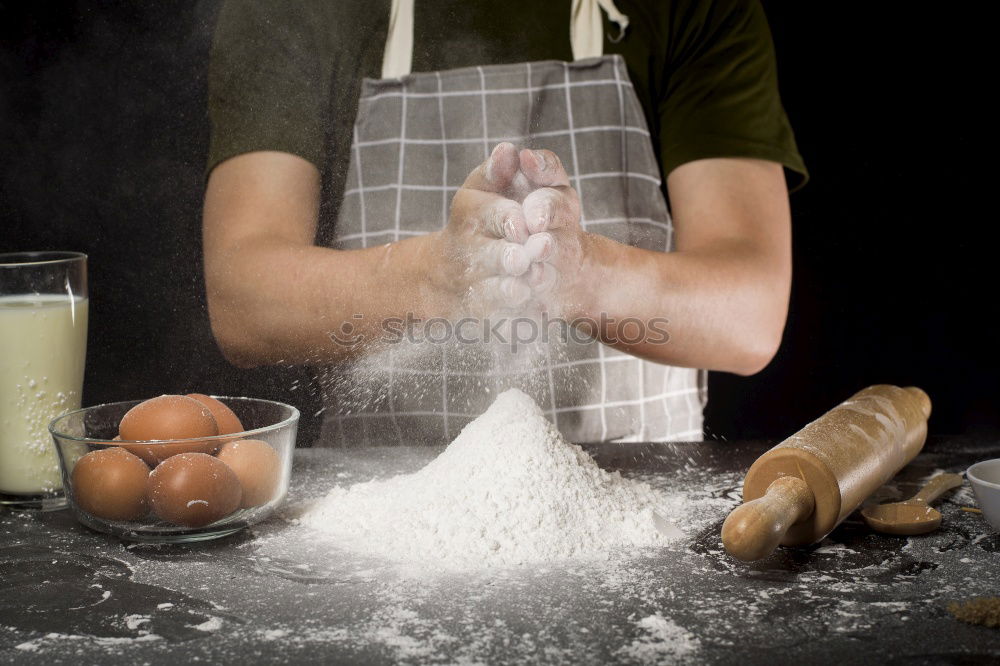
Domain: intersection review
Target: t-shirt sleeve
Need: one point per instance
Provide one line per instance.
(720, 97)
(266, 87)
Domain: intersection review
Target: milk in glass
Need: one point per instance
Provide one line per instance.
(43, 344)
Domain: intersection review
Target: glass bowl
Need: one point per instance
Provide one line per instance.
(93, 429)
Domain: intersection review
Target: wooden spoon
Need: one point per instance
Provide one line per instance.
(914, 516)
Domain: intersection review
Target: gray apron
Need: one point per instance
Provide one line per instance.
(416, 138)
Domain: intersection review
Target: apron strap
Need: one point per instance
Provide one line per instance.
(586, 33)
(398, 58)
(586, 30)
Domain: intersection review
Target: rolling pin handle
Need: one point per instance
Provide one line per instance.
(754, 529)
(922, 398)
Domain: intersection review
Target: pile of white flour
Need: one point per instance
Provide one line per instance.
(508, 490)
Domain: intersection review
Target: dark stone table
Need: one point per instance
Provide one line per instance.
(278, 593)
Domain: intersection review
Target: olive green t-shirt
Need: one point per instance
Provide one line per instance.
(285, 75)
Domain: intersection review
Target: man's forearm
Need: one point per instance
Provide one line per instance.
(724, 308)
(274, 301)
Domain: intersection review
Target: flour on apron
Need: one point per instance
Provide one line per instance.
(416, 138)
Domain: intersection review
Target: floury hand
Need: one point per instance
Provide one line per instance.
(483, 260)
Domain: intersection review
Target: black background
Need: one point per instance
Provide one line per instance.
(103, 136)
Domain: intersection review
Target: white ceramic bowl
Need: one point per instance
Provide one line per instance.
(985, 479)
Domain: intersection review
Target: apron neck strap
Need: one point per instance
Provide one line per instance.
(398, 57)
(586, 30)
(586, 33)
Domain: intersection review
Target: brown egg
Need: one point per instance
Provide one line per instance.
(168, 417)
(193, 489)
(110, 483)
(258, 468)
(227, 421)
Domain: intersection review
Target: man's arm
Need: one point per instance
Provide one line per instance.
(273, 296)
(725, 289)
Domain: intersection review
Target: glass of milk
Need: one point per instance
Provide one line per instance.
(43, 346)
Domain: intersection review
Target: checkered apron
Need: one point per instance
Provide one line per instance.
(416, 138)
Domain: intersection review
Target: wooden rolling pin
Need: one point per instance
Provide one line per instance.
(796, 493)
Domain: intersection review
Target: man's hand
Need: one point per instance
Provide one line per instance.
(514, 236)
(557, 245)
(484, 261)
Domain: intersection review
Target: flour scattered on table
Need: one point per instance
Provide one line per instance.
(661, 639)
(273, 634)
(136, 621)
(211, 624)
(509, 490)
